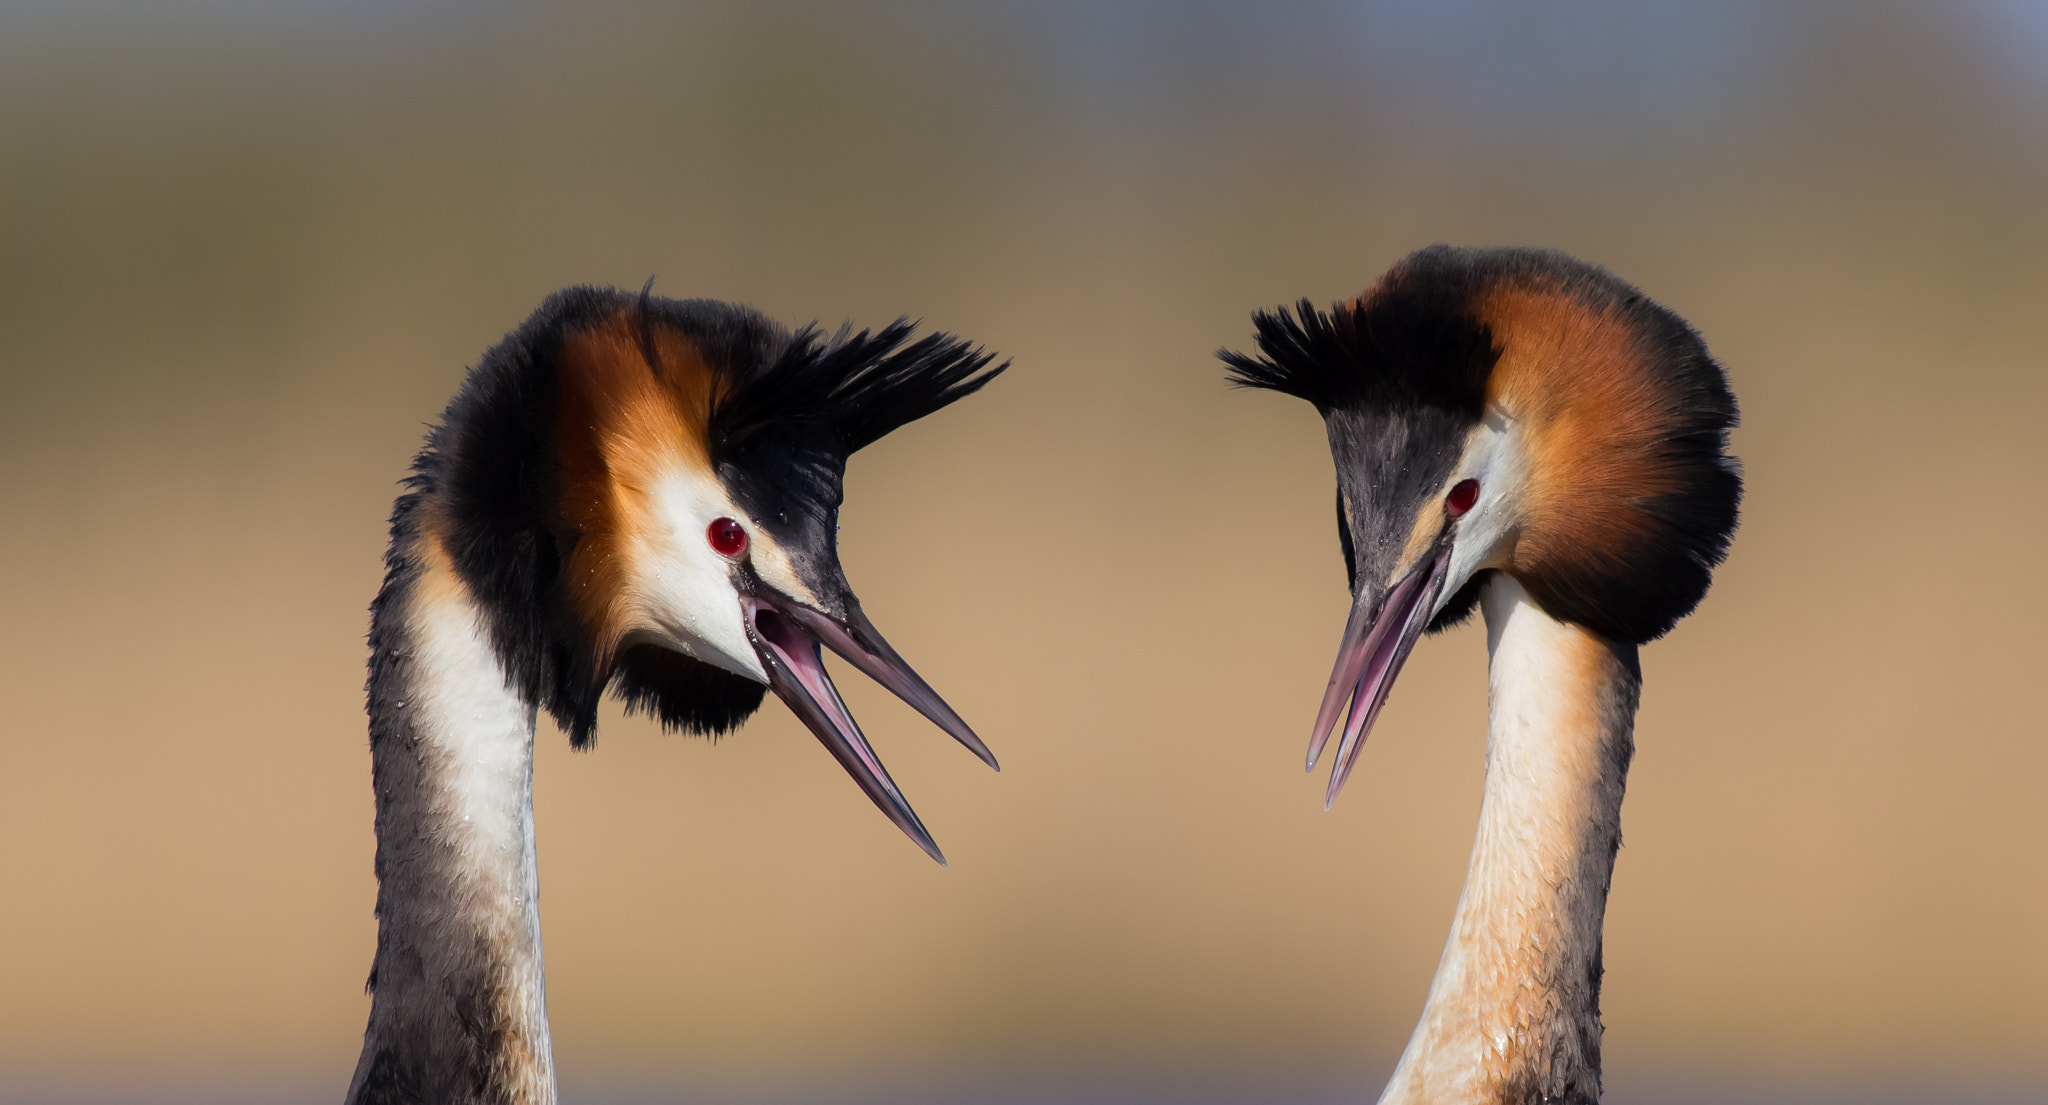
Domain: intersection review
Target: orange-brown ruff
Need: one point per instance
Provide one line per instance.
(623, 422)
(1598, 414)
(1519, 431)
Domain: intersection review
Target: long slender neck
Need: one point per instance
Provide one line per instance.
(459, 1007)
(1514, 1011)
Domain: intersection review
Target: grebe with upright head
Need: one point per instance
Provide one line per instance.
(1522, 433)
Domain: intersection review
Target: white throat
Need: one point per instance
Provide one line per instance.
(459, 990)
(1514, 1011)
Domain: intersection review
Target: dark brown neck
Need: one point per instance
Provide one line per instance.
(459, 1009)
(1514, 1011)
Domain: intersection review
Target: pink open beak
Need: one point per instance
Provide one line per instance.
(1377, 640)
(788, 637)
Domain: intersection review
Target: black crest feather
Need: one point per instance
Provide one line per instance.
(781, 434)
(859, 387)
(1400, 352)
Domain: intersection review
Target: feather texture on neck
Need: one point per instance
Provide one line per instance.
(459, 1007)
(1514, 1010)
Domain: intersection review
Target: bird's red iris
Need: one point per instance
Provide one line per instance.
(1462, 497)
(726, 537)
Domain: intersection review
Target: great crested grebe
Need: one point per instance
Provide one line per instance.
(1519, 432)
(631, 493)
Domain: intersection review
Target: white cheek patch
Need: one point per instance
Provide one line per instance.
(681, 592)
(1494, 456)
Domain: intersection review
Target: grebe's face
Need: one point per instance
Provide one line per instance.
(680, 585)
(700, 575)
(726, 555)
(1424, 504)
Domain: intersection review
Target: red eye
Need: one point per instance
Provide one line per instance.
(727, 538)
(1461, 497)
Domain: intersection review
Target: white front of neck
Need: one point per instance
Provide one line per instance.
(1525, 919)
(477, 733)
(483, 731)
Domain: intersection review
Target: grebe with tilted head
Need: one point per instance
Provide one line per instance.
(1522, 433)
(629, 493)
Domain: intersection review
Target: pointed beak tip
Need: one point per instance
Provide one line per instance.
(919, 835)
(974, 745)
(859, 643)
(797, 675)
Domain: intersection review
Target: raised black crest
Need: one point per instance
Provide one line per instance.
(859, 385)
(1399, 351)
(783, 428)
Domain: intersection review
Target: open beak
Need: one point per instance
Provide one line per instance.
(1377, 639)
(788, 636)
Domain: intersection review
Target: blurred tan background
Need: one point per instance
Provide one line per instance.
(246, 252)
